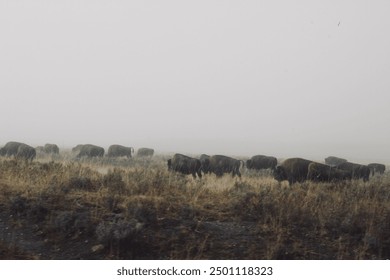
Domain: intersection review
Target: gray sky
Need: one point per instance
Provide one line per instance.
(283, 78)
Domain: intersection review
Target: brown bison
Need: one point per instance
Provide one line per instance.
(293, 170)
(260, 162)
(219, 165)
(334, 161)
(358, 171)
(145, 152)
(185, 165)
(325, 173)
(120, 151)
(376, 168)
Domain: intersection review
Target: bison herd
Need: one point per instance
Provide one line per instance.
(293, 169)
(23, 151)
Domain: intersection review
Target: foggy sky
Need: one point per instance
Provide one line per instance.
(282, 78)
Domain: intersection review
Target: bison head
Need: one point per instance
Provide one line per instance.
(280, 174)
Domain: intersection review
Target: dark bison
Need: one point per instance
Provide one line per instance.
(51, 149)
(293, 170)
(185, 165)
(120, 151)
(219, 165)
(25, 152)
(334, 161)
(205, 163)
(145, 152)
(261, 162)
(358, 171)
(88, 150)
(325, 173)
(10, 149)
(376, 168)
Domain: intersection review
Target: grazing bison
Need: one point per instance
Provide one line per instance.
(51, 149)
(10, 149)
(222, 164)
(325, 173)
(334, 161)
(89, 150)
(185, 165)
(376, 168)
(293, 170)
(120, 151)
(358, 171)
(205, 163)
(145, 152)
(25, 152)
(261, 162)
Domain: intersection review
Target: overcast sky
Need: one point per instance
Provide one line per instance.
(283, 78)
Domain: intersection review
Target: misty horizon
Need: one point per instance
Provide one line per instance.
(283, 79)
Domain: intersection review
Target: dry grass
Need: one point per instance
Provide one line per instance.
(133, 209)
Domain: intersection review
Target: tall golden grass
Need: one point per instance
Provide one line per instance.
(136, 209)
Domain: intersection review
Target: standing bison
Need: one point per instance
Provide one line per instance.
(145, 152)
(334, 161)
(25, 152)
(18, 150)
(120, 151)
(185, 165)
(293, 170)
(319, 172)
(219, 165)
(88, 150)
(376, 168)
(10, 149)
(260, 162)
(358, 171)
(51, 149)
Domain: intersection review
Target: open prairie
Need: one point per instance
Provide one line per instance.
(59, 208)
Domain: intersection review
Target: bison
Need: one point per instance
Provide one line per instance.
(358, 171)
(185, 165)
(376, 168)
(219, 165)
(260, 162)
(25, 152)
(88, 150)
(120, 151)
(334, 161)
(293, 170)
(51, 149)
(145, 152)
(10, 149)
(325, 173)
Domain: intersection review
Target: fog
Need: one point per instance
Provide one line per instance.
(281, 78)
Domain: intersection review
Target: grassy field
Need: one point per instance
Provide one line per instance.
(135, 209)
